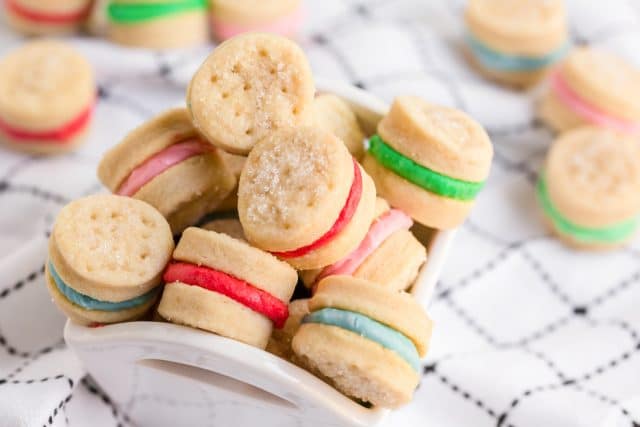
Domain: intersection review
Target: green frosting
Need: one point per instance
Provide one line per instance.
(136, 12)
(611, 234)
(421, 176)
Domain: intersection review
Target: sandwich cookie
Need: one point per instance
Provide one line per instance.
(235, 164)
(233, 17)
(106, 258)
(280, 340)
(335, 115)
(429, 161)
(250, 86)
(366, 339)
(47, 96)
(167, 164)
(593, 87)
(389, 255)
(229, 226)
(46, 17)
(158, 24)
(589, 189)
(304, 198)
(225, 286)
(516, 42)
(98, 21)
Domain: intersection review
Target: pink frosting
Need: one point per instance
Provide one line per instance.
(383, 227)
(287, 26)
(588, 111)
(159, 163)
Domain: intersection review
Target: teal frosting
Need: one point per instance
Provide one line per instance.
(504, 62)
(89, 303)
(368, 328)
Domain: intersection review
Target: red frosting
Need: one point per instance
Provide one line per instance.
(344, 218)
(47, 18)
(213, 280)
(59, 135)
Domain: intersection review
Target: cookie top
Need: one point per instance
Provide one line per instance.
(593, 176)
(44, 84)
(442, 139)
(160, 132)
(249, 87)
(524, 27)
(229, 226)
(293, 187)
(605, 80)
(250, 11)
(238, 259)
(335, 115)
(114, 241)
(399, 310)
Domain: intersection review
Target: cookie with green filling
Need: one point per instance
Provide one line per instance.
(430, 161)
(158, 24)
(589, 189)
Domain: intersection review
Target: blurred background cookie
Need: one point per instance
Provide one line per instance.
(47, 97)
(515, 42)
(333, 114)
(47, 17)
(594, 87)
(589, 189)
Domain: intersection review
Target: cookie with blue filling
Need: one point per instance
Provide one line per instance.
(106, 258)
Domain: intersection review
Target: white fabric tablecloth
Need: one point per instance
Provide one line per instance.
(527, 332)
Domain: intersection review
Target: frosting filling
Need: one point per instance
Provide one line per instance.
(590, 112)
(370, 329)
(256, 299)
(47, 17)
(89, 303)
(421, 176)
(345, 216)
(383, 227)
(59, 135)
(130, 13)
(159, 163)
(505, 62)
(286, 25)
(614, 233)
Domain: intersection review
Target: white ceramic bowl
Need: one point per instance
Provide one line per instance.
(162, 374)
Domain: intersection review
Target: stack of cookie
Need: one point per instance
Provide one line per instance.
(260, 183)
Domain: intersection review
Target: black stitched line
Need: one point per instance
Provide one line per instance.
(30, 360)
(115, 412)
(608, 400)
(614, 290)
(22, 282)
(39, 380)
(8, 188)
(58, 409)
(546, 278)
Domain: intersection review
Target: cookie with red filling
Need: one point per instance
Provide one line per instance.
(225, 286)
(47, 95)
(47, 17)
(303, 198)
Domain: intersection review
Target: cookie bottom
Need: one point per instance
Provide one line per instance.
(515, 79)
(199, 308)
(423, 206)
(280, 340)
(356, 366)
(557, 115)
(88, 317)
(175, 31)
(47, 147)
(581, 245)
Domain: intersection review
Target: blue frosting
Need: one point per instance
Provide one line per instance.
(368, 328)
(505, 62)
(89, 303)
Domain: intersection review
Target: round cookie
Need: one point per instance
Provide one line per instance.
(98, 21)
(593, 87)
(46, 17)
(250, 86)
(516, 42)
(158, 24)
(589, 189)
(233, 17)
(389, 255)
(225, 286)
(280, 341)
(229, 226)
(304, 198)
(235, 164)
(47, 95)
(167, 164)
(335, 115)
(106, 257)
(365, 339)
(429, 161)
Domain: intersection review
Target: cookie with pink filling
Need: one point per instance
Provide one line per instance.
(47, 17)
(593, 87)
(389, 255)
(232, 17)
(166, 163)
